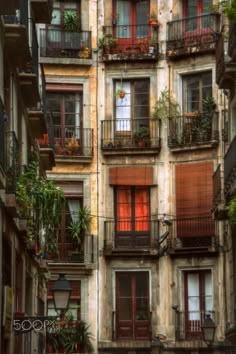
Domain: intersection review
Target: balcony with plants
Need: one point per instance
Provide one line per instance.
(126, 136)
(192, 234)
(131, 237)
(192, 35)
(46, 145)
(75, 242)
(129, 43)
(73, 142)
(66, 41)
(194, 130)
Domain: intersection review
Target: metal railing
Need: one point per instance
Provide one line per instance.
(188, 323)
(68, 251)
(21, 16)
(48, 139)
(73, 141)
(56, 42)
(121, 134)
(131, 234)
(193, 130)
(192, 232)
(198, 31)
(230, 166)
(12, 161)
(129, 42)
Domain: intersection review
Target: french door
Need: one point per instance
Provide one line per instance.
(195, 14)
(131, 20)
(198, 301)
(132, 305)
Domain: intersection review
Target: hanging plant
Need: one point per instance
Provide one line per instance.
(120, 93)
(39, 202)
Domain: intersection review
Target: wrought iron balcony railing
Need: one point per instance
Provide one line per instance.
(129, 42)
(12, 161)
(56, 42)
(192, 34)
(193, 130)
(126, 134)
(73, 141)
(232, 41)
(130, 234)
(47, 142)
(230, 168)
(192, 232)
(21, 16)
(188, 323)
(67, 251)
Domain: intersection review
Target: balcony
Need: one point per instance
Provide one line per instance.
(230, 170)
(9, 7)
(46, 146)
(131, 238)
(232, 41)
(193, 131)
(193, 234)
(120, 136)
(37, 115)
(67, 252)
(59, 46)
(16, 35)
(224, 68)
(42, 10)
(188, 324)
(73, 142)
(129, 43)
(29, 74)
(192, 35)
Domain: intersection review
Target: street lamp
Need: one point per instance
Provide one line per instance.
(208, 330)
(61, 295)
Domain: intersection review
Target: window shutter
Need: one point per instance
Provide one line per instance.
(194, 189)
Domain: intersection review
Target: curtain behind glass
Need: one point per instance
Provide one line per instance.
(123, 14)
(193, 297)
(141, 18)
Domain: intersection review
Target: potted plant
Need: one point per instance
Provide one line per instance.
(78, 339)
(153, 18)
(72, 145)
(166, 107)
(120, 93)
(141, 136)
(78, 228)
(107, 43)
(71, 21)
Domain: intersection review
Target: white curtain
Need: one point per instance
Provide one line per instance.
(77, 116)
(208, 293)
(123, 13)
(73, 206)
(123, 107)
(193, 297)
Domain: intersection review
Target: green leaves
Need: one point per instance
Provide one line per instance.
(71, 21)
(232, 211)
(166, 107)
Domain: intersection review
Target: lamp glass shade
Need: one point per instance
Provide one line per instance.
(61, 293)
(208, 330)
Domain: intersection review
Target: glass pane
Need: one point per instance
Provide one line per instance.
(125, 285)
(141, 210)
(125, 313)
(208, 292)
(193, 296)
(141, 18)
(142, 296)
(142, 284)
(69, 5)
(123, 107)
(56, 17)
(141, 101)
(123, 210)
(206, 6)
(191, 8)
(125, 297)
(191, 103)
(123, 18)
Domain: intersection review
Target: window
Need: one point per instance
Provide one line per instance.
(132, 305)
(198, 12)
(196, 88)
(131, 18)
(59, 8)
(198, 300)
(132, 111)
(132, 216)
(66, 109)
